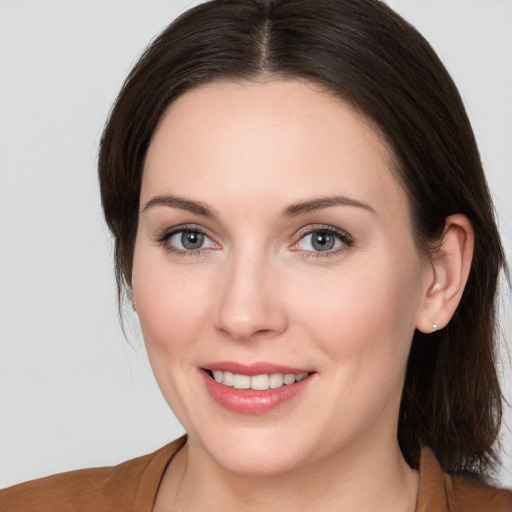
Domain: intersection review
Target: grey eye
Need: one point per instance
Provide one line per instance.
(192, 240)
(320, 241)
(189, 240)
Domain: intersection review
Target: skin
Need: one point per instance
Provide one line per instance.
(258, 291)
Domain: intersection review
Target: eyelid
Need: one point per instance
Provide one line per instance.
(168, 232)
(164, 238)
(345, 238)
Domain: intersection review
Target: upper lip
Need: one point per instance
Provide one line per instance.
(258, 368)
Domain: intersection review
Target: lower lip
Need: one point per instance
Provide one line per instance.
(248, 401)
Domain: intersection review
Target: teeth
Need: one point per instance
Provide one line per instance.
(260, 382)
(227, 379)
(289, 378)
(241, 381)
(257, 382)
(276, 380)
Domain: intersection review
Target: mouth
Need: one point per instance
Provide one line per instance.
(262, 382)
(254, 389)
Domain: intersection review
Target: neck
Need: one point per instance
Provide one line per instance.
(354, 479)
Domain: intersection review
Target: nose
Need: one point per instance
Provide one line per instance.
(250, 306)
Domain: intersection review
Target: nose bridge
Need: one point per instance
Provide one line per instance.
(249, 305)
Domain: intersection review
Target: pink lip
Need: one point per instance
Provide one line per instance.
(248, 401)
(259, 368)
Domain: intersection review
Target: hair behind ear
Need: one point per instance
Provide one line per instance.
(452, 399)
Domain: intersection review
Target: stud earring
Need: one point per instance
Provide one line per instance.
(134, 305)
(434, 327)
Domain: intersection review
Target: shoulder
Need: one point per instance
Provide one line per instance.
(469, 491)
(131, 485)
(442, 492)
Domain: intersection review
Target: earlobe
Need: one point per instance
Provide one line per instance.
(451, 264)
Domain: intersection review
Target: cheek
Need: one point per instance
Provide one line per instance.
(366, 310)
(171, 305)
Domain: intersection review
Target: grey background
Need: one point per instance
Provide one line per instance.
(73, 392)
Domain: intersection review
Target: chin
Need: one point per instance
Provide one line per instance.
(257, 451)
(258, 462)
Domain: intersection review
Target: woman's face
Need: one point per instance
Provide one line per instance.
(274, 240)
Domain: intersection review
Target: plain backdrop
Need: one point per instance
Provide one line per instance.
(73, 392)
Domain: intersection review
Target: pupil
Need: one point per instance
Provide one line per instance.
(192, 239)
(323, 241)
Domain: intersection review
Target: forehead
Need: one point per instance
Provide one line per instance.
(286, 140)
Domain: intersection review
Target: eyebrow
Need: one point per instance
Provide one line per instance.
(181, 203)
(293, 210)
(312, 205)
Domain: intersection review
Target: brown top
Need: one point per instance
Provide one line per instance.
(132, 487)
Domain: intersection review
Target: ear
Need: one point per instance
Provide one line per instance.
(451, 263)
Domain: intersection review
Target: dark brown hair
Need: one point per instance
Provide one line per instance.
(368, 56)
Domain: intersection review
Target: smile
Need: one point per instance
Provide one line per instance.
(261, 382)
(256, 388)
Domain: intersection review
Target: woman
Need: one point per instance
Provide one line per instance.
(303, 224)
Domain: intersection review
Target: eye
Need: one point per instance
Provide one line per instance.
(323, 240)
(187, 241)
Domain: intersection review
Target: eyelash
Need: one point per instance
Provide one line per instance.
(345, 239)
(164, 239)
